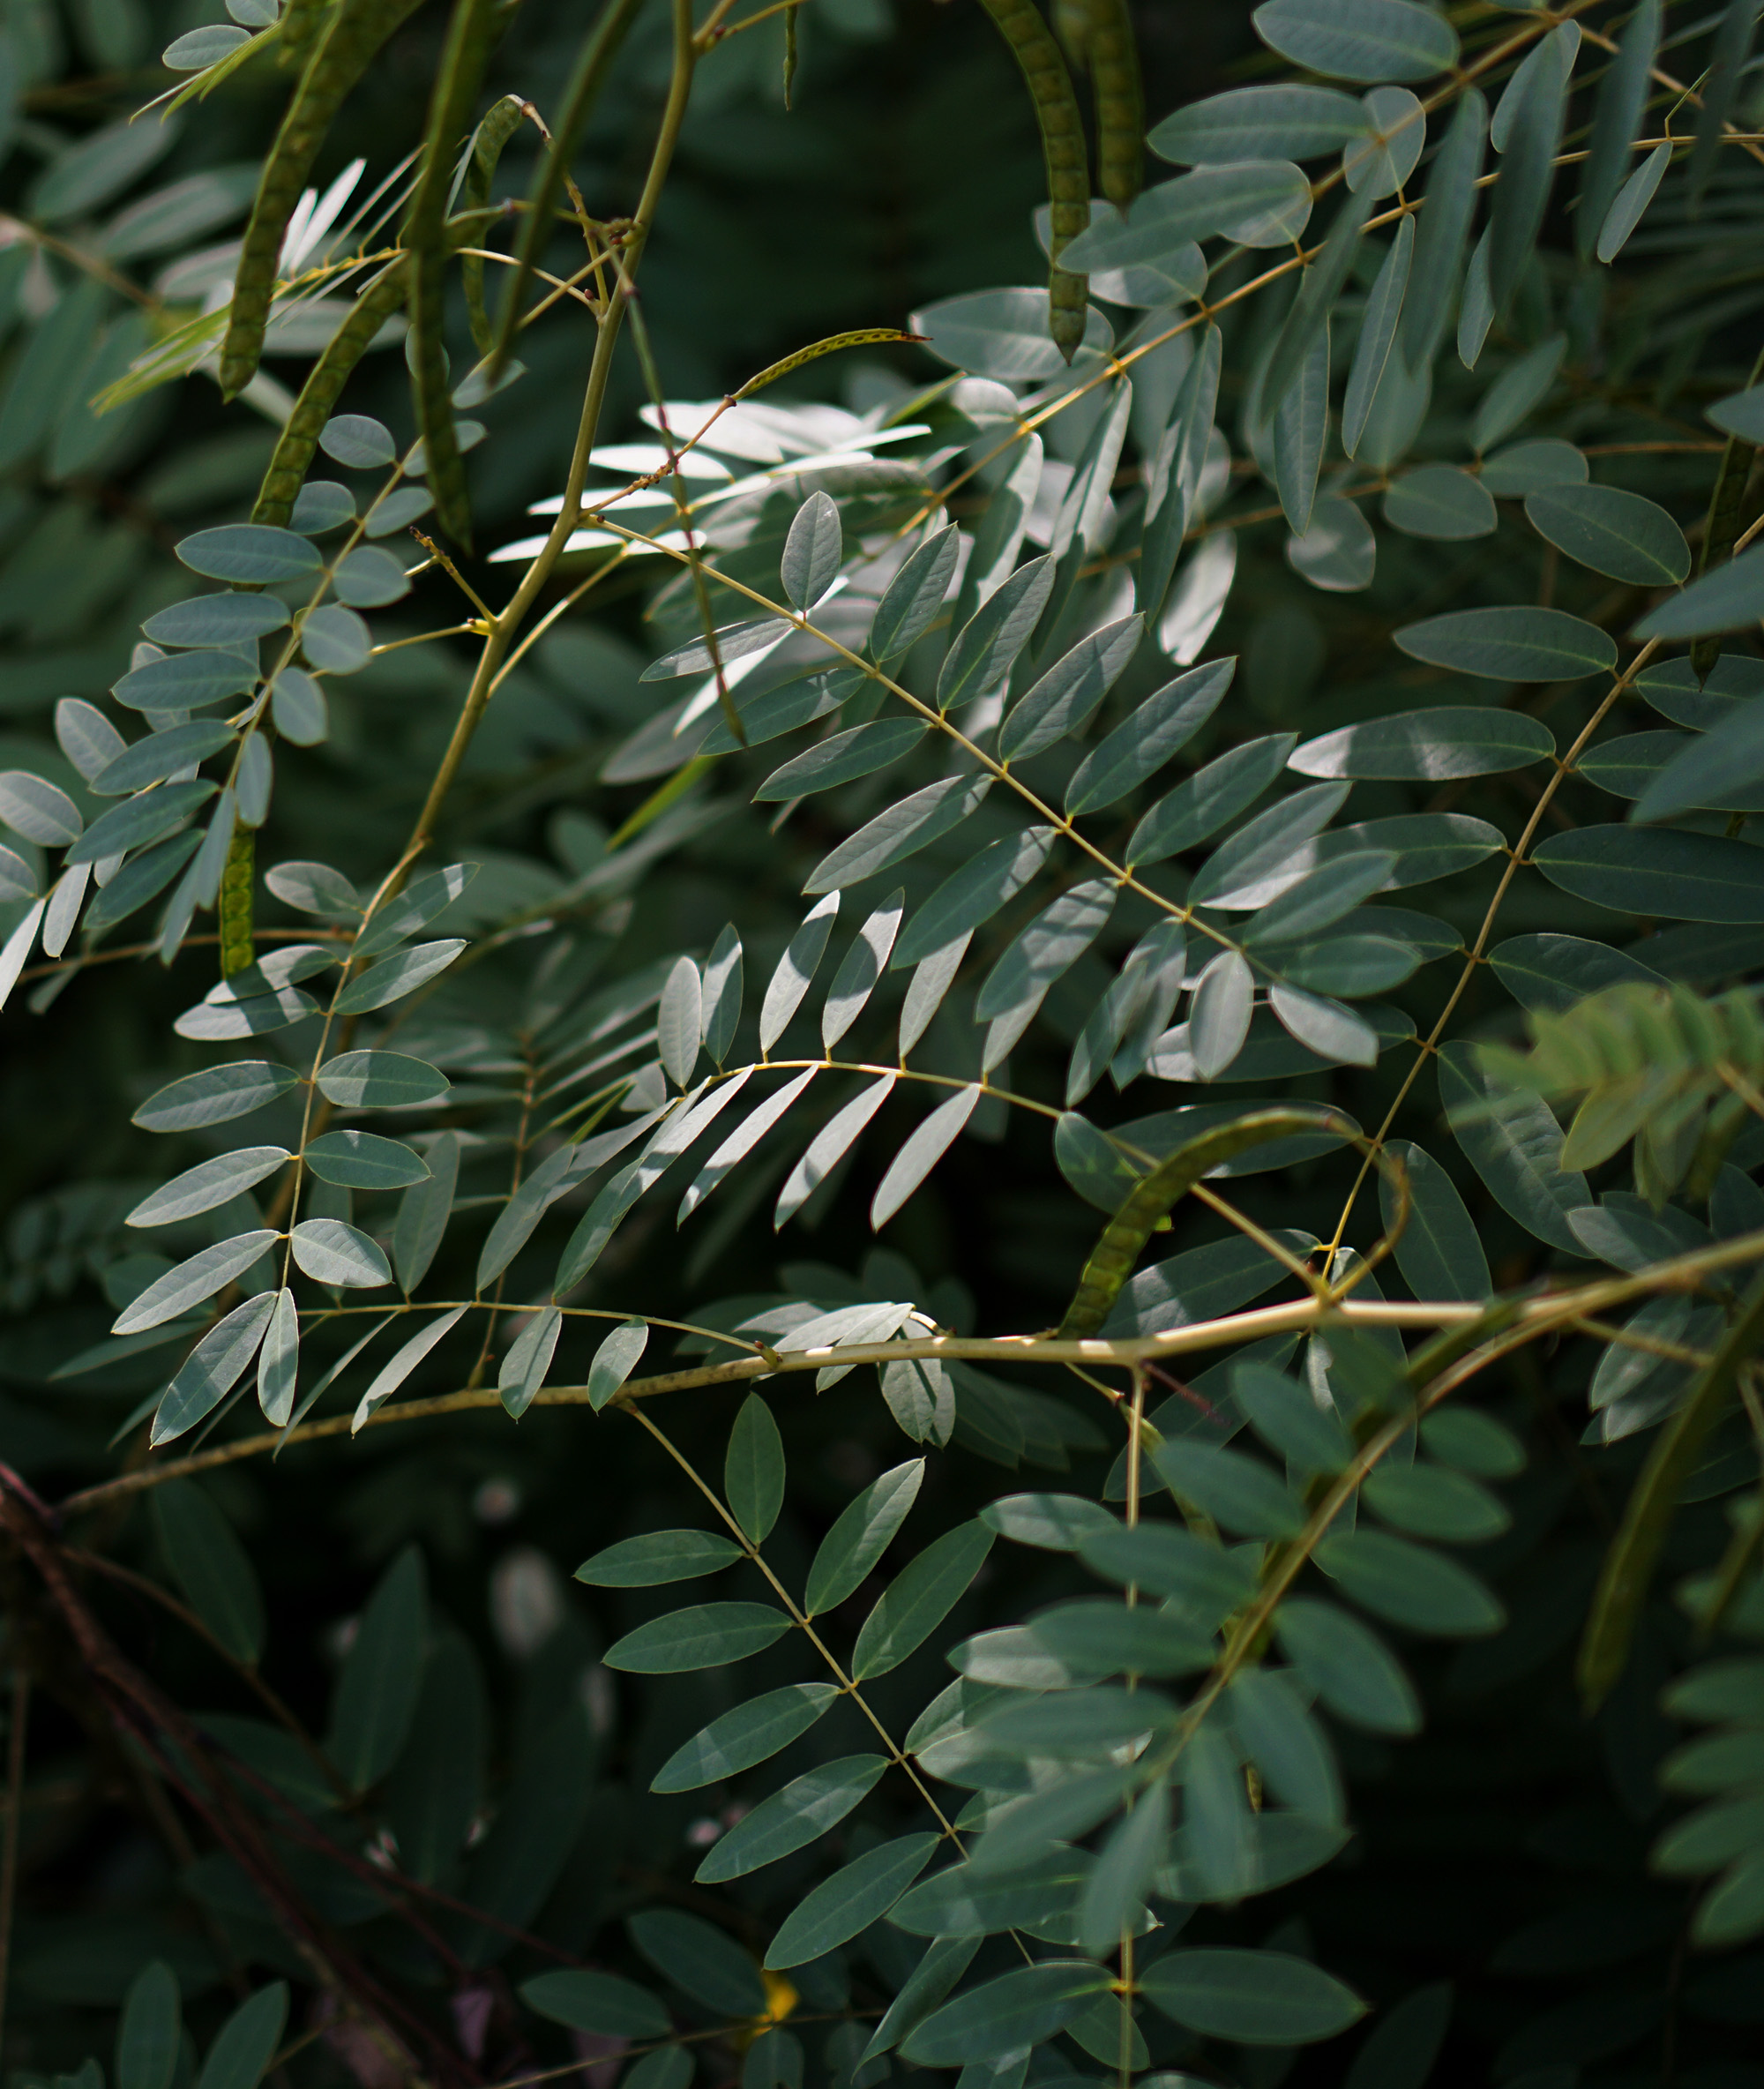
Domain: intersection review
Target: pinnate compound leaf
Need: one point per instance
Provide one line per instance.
(150, 2030)
(614, 1360)
(1439, 1250)
(376, 1689)
(246, 2043)
(1435, 746)
(704, 1636)
(805, 1809)
(394, 977)
(749, 1735)
(211, 1566)
(1347, 1665)
(330, 1251)
(923, 1150)
(919, 1598)
(1515, 1143)
(1254, 1998)
(854, 1897)
(655, 1557)
(1512, 645)
(601, 2002)
(1015, 2009)
(191, 1282)
(207, 1185)
(860, 1536)
(1615, 533)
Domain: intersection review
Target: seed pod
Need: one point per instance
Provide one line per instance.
(237, 948)
(1120, 101)
(318, 396)
(345, 47)
(1068, 164)
(470, 34)
(1071, 25)
(474, 195)
(301, 21)
(789, 53)
(1151, 1198)
(592, 66)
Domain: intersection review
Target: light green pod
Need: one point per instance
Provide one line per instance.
(237, 950)
(498, 127)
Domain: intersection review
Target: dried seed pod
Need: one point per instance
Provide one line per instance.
(1068, 164)
(345, 47)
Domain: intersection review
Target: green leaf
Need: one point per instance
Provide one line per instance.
(1411, 1585)
(1617, 123)
(1730, 598)
(1320, 286)
(981, 652)
(862, 1532)
(813, 550)
(150, 2029)
(1098, 1638)
(1511, 645)
(753, 1470)
(1285, 1742)
(423, 1211)
(1533, 468)
(854, 1897)
(923, 1148)
(1255, 1998)
(1378, 333)
(1429, 1502)
(1320, 900)
(211, 1566)
(435, 1794)
(1473, 1442)
(1067, 696)
(1265, 122)
(1057, 1522)
(1045, 951)
(1614, 533)
(946, 1960)
(208, 1185)
(1347, 1665)
(394, 977)
(330, 1252)
(1002, 334)
(899, 831)
(1203, 1581)
(859, 751)
(160, 754)
(1439, 1250)
(380, 1081)
(1301, 426)
(795, 970)
(972, 895)
(704, 1636)
(1516, 391)
(1210, 798)
(918, 1600)
(658, 1556)
(363, 1160)
(1290, 1421)
(596, 2002)
(803, 1811)
(1554, 972)
(1515, 1143)
(393, 1375)
(247, 2041)
(1362, 40)
(141, 821)
(1153, 734)
(193, 1281)
(860, 969)
(41, 811)
(1528, 133)
(415, 907)
(749, 1735)
(1440, 501)
(913, 598)
(701, 1960)
(1652, 871)
(249, 554)
(377, 1689)
(1006, 2014)
(1238, 1492)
